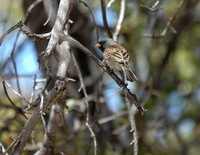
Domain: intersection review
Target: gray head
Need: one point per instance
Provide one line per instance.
(104, 43)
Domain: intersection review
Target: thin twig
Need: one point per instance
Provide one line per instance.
(31, 7)
(24, 28)
(33, 92)
(50, 13)
(131, 114)
(93, 19)
(105, 23)
(41, 114)
(50, 99)
(2, 149)
(43, 89)
(14, 64)
(10, 30)
(34, 36)
(169, 23)
(120, 20)
(86, 101)
(17, 109)
(112, 117)
(14, 142)
(154, 8)
(110, 3)
(16, 93)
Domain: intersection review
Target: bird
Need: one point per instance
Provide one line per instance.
(116, 57)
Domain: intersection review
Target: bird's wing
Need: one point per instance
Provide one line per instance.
(117, 53)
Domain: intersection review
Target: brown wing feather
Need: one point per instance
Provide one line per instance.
(117, 53)
(117, 58)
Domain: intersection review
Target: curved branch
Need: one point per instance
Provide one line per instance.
(103, 9)
(95, 25)
(121, 84)
(120, 20)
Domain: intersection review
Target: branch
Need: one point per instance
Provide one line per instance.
(49, 100)
(15, 66)
(17, 109)
(131, 114)
(86, 101)
(13, 143)
(103, 9)
(120, 20)
(16, 93)
(169, 23)
(31, 7)
(24, 28)
(110, 3)
(93, 19)
(34, 36)
(154, 8)
(10, 30)
(61, 20)
(125, 90)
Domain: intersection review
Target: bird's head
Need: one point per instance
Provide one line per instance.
(105, 43)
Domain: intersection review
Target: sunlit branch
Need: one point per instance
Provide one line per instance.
(120, 20)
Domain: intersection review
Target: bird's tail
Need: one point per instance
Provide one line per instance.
(129, 74)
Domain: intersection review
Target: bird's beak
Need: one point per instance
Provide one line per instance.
(97, 45)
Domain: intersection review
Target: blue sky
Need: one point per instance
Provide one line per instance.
(26, 60)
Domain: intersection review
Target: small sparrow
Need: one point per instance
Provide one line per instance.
(116, 57)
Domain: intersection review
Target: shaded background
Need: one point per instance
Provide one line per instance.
(167, 66)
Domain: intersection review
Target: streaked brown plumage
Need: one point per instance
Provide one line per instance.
(116, 57)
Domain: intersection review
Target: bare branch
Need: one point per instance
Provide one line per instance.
(16, 93)
(112, 117)
(14, 64)
(87, 104)
(33, 91)
(17, 109)
(110, 3)
(121, 84)
(131, 113)
(61, 19)
(14, 142)
(49, 10)
(2, 149)
(93, 19)
(168, 25)
(19, 24)
(31, 7)
(154, 8)
(50, 99)
(120, 20)
(34, 36)
(105, 23)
